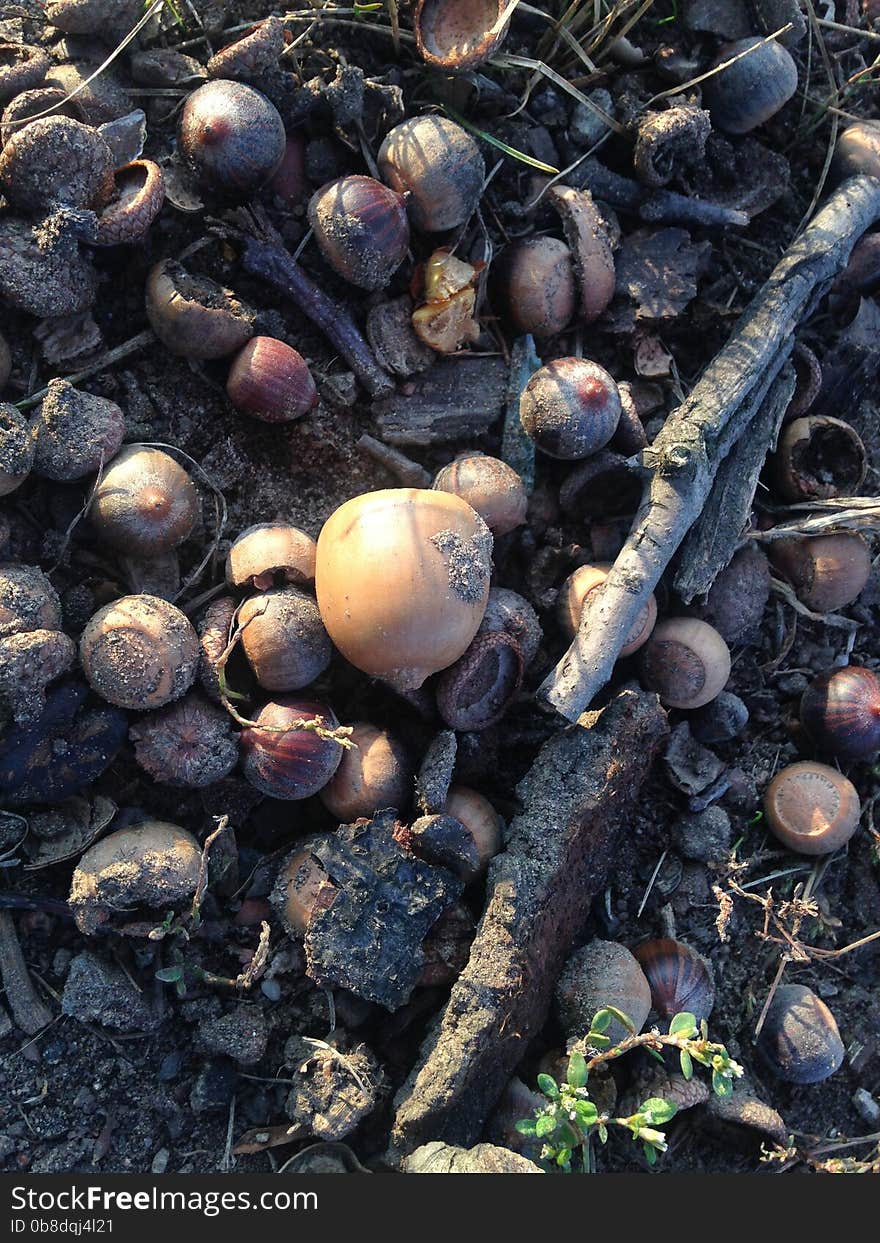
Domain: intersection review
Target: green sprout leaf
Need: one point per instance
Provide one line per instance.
(683, 1025)
(169, 975)
(587, 1114)
(657, 1111)
(622, 1018)
(547, 1085)
(687, 1064)
(545, 1126)
(527, 1126)
(577, 1070)
(721, 1085)
(650, 1154)
(601, 1021)
(597, 1040)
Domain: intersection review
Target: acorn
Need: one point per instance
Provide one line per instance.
(145, 502)
(43, 268)
(231, 137)
(481, 820)
(752, 89)
(137, 198)
(840, 711)
(509, 613)
(28, 601)
(193, 316)
(680, 978)
(139, 652)
(799, 1039)
(92, 17)
(478, 688)
(599, 974)
(489, 486)
(56, 160)
(251, 54)
(573, 596)
(819, 457)
(812, 808)
(296, 890)
(271, 554)
(535, 286)
(827, 572)
(271, 381)
(373, 774)
(402, 579)
(190, 743)
(361, 229)
(284, 639)
(453, 36)
(685, 661)
(75, 433)
(37, 101)
(857, 151)
(439, 166)
(214, 632)
(22, 67)
(570, 408)
(16, 449)
(29, 661)
(281, 758)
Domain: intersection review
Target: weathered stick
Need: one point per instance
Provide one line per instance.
(682, 463)
(655, 206)
(559, 851)
(30, 1014)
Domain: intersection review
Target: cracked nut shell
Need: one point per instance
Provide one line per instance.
(193, 316)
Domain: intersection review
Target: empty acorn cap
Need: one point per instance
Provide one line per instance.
(459, 34)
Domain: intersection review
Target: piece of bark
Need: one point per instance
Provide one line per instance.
(28, 1011)
(559, 850)
(456, 398)
(715, 536)
(436, 773)
(681, 464)
(439, 1158)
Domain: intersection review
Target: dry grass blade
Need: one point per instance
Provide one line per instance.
(845, 513)
(507, 60)
(835, 120)
(827, 619)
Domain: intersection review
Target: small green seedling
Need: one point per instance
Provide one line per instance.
(569, 1120)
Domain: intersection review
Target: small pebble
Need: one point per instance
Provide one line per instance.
(586, 128)
(792, 684)
(169, 1067)
(867, 1108)
(705, 836)
(271, 989)
(159, 1164)
(214, 1087)
(721, 720)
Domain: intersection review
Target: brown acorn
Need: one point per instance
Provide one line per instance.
(231, 137)
(361, 229)
(145, 502)
(680, 978)
(271, 381)
(284, 760)
(193, 316)
(439, 165)
(139, 652)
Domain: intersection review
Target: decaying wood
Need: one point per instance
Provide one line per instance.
(575, 799)
(681, 465)
(458, 397)
(29, 1012)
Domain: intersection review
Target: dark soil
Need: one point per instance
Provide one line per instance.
(79, 1096)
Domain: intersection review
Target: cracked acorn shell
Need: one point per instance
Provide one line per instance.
(454, 35)
(252, 53)
(139, 652)
(269, 554)
(56, 160)
(193, 316)
(402, 580)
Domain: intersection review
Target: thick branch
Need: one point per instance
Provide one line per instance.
(682, 463)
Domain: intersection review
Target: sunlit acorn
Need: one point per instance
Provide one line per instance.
(799, 1039)
(144, 503)
(270, 380)
(271, 554)
(152, 864)
(819, 457)
(480, 818)
(812, 808)
(253, 53)
(752, 89)
(840, 710)
(190, 743)
(573, 595)
(284, 760)
(602, 973)
(827, 572)
(489, 486)
(439, 165)
(570, 408)
(535, 286)
(685, 661)
(75, 433)
(680, 978)
(373, 774)
(509, 613)
(29, 661)
(28, 601)
(361, 229)
(56, 160)
(139, 652)
(858, 150)
(231, 136)
(296, 890)
(21, 68)
(16, 449)
(454, 35)
(138, 195)
(478, 688)
(193, 316)
(402, 579)
(284, 639)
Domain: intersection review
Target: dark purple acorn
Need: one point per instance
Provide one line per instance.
(285, 760)
(271, 381)
(840, 710)
(680, 979)
(799, 1040)
(231, 136)
(361, 228)
(570, 408)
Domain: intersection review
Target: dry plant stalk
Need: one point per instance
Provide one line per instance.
(681, 465)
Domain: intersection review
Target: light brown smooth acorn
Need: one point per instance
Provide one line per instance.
(270, 380)
(190, 743)
(402, 579)
(271, 554)
(536, 287)
(686, 662)
(231, 137)
(361, 229)
(374, 774)
(138, 195)
(16, 449)
(139, 652)
(284, 760)
(284, 639)
(573, 596)
(145, 502)
(819, 457)
(858, 150)
(489, 486)
(193, 316)
(812, 808)
(439, 165)
(752, 89)
(570, 408)
(827, 572)
(455, 35)
(296, 889)
(481, 820)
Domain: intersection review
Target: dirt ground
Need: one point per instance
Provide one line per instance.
(78, 1096)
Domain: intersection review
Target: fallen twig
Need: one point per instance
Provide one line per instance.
(29, 1012)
